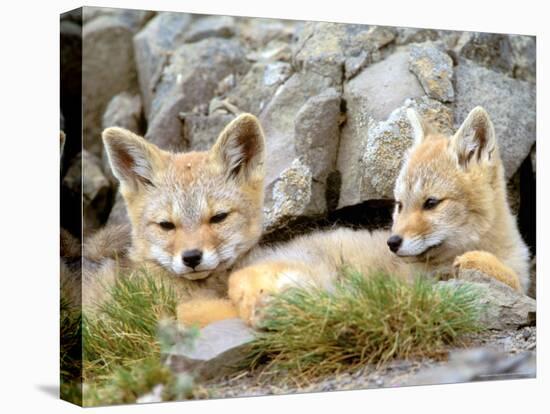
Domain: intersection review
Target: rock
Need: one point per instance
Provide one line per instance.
(290, 196)
(124, 110)
(211, 26)
(153, 46)
(107, 69)
(524, 49)
(275, 50)
(201, 131)
(190, 80)
(302, 118)
(255, 90)
(218, 348)
(258, 32)
(118, 213)
(514, 55)
(405, 35)
(502, 307)
(478, 364)
(324, 47)
(135, 18)
(510, 103)
(434, 70)
(370, 98)
(86, 177)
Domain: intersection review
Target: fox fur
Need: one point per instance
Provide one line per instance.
(451, 213)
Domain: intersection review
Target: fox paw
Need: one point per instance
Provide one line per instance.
(486, 263)
(252, 288)
(203, 311)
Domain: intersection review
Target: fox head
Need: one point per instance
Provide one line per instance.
(448, 190)
(196, 212)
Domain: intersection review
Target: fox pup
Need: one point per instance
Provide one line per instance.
(451, 213)
(198, 216)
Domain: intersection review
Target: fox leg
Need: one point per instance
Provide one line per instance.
(489, 264)
(203, 311)
(251, 287)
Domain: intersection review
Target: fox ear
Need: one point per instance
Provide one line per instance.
(132, 159)
(240, 148)
(419, 127)
(475, 140)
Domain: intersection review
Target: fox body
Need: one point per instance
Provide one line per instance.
(198, 216)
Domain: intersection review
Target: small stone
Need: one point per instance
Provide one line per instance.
(434, 70)
(211, 26)
(503, 307)
(218, 348)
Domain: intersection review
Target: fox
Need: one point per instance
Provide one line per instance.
(197, 216)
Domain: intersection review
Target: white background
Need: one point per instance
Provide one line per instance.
(29, 72)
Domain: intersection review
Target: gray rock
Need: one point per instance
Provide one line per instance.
(190, 80)
(218, 348)
(153, 46)
(85, 174)
(510, 103)
(524, 50)
(502, 307)
(301, 121)
(258, 32)
(124, 110)
(434, 70)
(255, 90)
(290, 196)
(514, 55)
(324, 47)
(118, 214)
(201, 131)
(136, 18)
(370, 99)
(276, 50)
(405, 35)
(478, 364)
(533, 155)
(211, 26)
(107, 69)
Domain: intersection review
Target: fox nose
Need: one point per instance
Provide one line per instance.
(394, 242)
(192, 258)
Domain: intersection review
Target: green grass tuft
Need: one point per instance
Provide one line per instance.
(365, 320)
(121, 347)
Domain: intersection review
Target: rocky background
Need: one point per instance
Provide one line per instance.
(331, 99)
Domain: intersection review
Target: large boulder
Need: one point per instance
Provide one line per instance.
(511, 104)
(107, 69)
(323, 48)
(302, 121)
(153, 46)
(514, 55)
(190, 80)
(370, 98)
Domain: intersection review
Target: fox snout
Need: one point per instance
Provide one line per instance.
(394, 242)
(192, 258)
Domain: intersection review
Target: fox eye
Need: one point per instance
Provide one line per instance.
(399, 206)
(167, 225)
(430, 203)
(218, 218)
